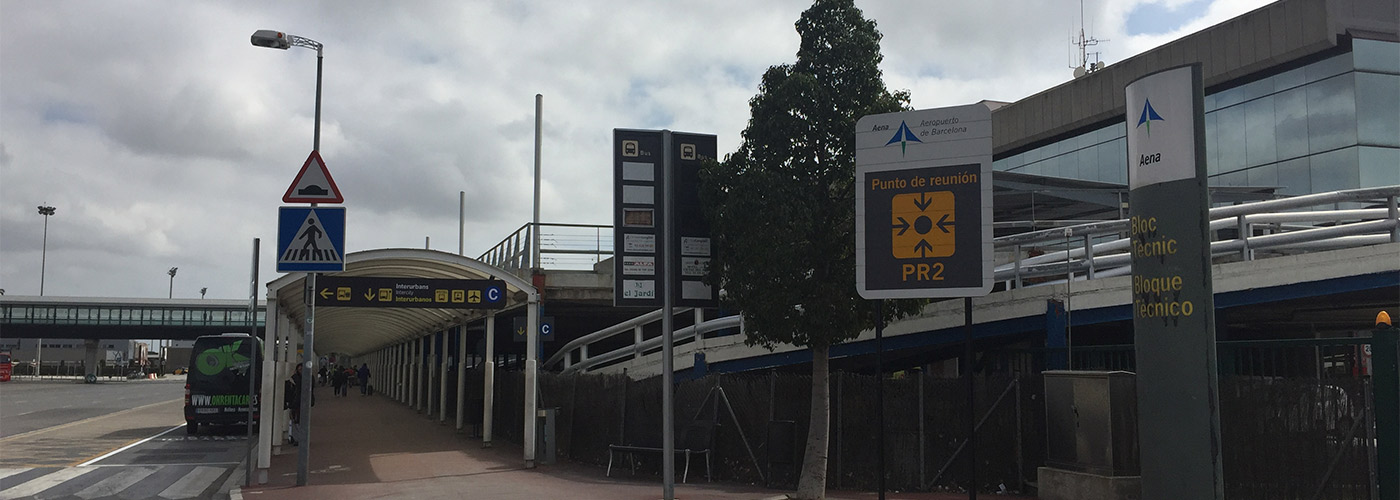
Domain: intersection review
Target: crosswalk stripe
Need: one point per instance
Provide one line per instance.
(193, 483)
(117, 482)
(44, 482)
(7, 472)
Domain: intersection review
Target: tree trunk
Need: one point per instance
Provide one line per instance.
(812, 484)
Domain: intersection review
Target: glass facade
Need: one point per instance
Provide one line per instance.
(1329, 125)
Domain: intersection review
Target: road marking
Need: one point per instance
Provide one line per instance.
(117, 482)
(83, 421)
(41, 483)
(124, 448)
(4, 473)
(193, 483)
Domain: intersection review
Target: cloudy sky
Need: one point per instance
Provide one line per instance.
(165, 139)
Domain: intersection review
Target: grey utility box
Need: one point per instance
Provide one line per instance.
(1091, 422)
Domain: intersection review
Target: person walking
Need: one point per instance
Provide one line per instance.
(338, 381)
(363, 375)
(291, 400)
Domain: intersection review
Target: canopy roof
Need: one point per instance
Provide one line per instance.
(359, 330)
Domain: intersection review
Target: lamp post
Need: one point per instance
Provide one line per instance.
(171, 272)
(45, 211)
(279, 40)
(202, 291)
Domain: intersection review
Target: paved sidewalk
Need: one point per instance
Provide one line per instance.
(374, 447)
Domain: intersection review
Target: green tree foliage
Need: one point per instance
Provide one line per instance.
(782, 207)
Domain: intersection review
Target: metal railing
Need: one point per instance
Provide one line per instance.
(562, 247)
(1090, 250)
(1254, 230)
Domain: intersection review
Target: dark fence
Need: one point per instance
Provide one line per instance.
(1294, 416)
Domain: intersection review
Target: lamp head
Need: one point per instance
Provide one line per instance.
(171, 272)
(271, 39)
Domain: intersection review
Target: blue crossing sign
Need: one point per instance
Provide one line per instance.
(310, 239)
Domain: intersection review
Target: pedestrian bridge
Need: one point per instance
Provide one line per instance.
(126, 318)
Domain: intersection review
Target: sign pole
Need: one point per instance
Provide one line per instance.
(668, 425)
(924, 223)
(971, 401)
(880, 391)
(308, 354)
(253, 367)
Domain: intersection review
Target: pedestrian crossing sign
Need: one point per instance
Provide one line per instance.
(310, 239)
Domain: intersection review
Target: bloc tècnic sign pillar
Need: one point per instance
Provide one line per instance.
(1172, 298)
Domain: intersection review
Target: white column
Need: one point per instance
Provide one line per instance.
(429, 373)
(461, 374)
(269, 404)
(418, 373)
(442, 380)
(488, 380)
(532, 343)
(402, 371)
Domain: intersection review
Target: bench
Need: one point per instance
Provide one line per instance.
(694, 440)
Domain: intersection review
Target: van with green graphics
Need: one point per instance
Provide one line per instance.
(216, 390)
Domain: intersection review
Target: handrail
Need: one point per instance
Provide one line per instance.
(1343, 228)
(557, 241)
(1348, 228)
(655, 342)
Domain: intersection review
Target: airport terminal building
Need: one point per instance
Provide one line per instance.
(1301, 96)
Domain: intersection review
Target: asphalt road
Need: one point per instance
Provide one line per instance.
(27, 405)
(122, 440)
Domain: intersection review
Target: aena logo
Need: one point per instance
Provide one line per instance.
(903, 136)
(1148, 115)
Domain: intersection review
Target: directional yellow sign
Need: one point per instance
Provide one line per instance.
(922, 225)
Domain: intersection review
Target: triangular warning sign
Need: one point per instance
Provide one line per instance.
(310, 245)
(313, 185)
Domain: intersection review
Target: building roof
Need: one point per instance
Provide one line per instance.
(1271, 36)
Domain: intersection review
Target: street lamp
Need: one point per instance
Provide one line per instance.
(45, 211)
(202, 291)
(171, 272)
(279, 40)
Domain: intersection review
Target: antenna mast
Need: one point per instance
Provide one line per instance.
(1083, 43)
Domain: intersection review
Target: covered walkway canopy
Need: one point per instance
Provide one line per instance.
(392, 339)
(359, 330)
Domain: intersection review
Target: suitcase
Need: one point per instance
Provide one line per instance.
(369, 389)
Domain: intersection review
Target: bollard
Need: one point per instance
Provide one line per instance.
(1385, 377)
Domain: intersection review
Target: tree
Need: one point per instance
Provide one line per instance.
(782, 207)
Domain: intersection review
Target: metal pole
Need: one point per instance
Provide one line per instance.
(462, 228)
(880, 393)
(971, 401)
(46, 211)
(668, 426)
(308, 363)
(316, 133)
(253, 359)
(309, 352)
(535, 226)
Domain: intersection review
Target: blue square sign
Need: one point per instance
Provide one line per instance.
(310, 239)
